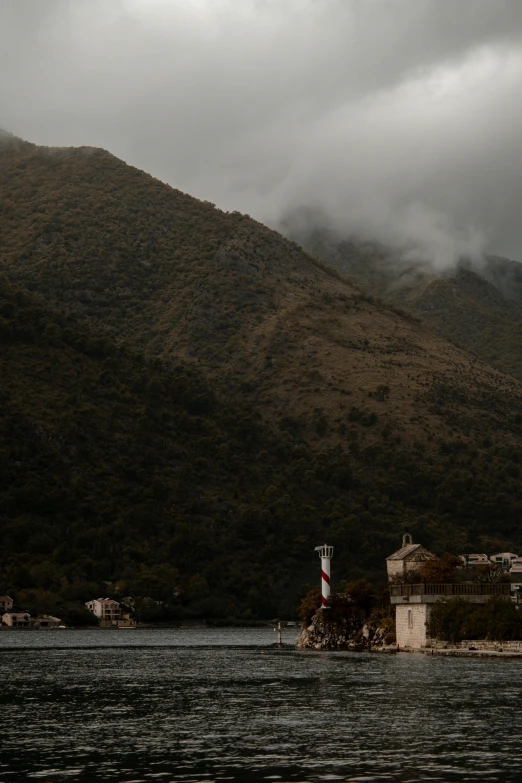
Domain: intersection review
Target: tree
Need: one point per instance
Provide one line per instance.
(440, 569)
(456, 619)
(491, 574)
(158, 582)
(309, 605)
(360, 593)
(382, 393)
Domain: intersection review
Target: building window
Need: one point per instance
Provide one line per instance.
(410, 618)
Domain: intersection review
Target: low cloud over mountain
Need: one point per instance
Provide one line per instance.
(400, 120)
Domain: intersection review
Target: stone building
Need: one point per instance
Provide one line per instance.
(413, 601)
(406, 560)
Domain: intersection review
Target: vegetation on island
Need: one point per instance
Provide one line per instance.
(357, 608)
(456, 619)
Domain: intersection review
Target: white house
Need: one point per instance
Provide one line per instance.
(18, 619)
(105, 609)
(504, 559)
(516, 566)
(516, 592)
(475, 559)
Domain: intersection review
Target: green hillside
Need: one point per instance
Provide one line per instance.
(192, 403)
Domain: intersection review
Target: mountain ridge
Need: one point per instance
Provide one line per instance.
(215, 288)
(332, 416)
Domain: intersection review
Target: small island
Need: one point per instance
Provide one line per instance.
(432, 604)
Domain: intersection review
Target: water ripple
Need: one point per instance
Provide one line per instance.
(176, 708)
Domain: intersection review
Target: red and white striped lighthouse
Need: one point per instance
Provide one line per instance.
(325, 553)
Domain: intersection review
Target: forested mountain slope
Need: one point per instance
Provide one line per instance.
(161, 272)
(477, 306)
(109, 462)
(184, 387)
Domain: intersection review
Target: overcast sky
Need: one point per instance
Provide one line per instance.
(401, 119)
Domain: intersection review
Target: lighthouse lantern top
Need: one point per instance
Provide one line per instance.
(324, 550)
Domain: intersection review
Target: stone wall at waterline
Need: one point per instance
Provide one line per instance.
(476, 644)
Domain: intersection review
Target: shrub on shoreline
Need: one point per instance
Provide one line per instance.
(456, 619)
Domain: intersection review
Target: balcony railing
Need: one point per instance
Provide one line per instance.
(458, 588)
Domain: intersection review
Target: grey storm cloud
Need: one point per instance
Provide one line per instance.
(400, 120)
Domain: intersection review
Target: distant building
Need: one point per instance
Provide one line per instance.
(105, 609)
(6, 604)
(18, 619)
(413, 602)
(407, 560)
(516, 591)
(503, 559)
(47, 621)
(516, 566)
(126, 620)
(475, 559)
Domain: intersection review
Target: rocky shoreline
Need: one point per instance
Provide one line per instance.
(322, 634)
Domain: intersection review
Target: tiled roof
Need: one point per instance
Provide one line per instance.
(406, 551)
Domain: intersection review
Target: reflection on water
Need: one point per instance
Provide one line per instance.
(216, 705)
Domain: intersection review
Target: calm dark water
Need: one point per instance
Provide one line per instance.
(215, 705)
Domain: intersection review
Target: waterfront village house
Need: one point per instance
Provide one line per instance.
(105, 609)
(47, 621)
(18, 620)
(6, 604)
(413, 602)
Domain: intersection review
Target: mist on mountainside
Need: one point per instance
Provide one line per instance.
(476, 302)
(400, 121)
